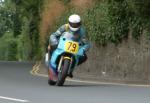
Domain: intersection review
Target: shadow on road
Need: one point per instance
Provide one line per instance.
(87, 85)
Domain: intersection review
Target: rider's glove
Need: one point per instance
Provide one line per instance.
(84, 52)
(81, 51)
(53, 40)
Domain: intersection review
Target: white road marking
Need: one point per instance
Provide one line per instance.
(14, 99)
(36, 69)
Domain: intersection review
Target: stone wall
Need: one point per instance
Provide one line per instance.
(129, 60)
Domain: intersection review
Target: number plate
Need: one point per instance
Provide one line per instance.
(72, 47)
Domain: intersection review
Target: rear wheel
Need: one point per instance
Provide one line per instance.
(51, 82)
(64, 72)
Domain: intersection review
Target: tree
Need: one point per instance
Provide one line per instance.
(21, 17)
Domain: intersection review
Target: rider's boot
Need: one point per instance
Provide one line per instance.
(70, 75)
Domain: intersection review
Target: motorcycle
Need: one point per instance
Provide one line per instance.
(64, 59)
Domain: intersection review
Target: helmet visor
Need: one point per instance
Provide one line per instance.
(75, 25)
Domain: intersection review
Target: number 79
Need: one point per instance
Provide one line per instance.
(72, 46)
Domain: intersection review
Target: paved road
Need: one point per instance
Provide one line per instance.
(17, 85)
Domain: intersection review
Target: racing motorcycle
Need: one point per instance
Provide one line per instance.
(64, 59)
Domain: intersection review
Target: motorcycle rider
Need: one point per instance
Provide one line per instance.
(75, 27)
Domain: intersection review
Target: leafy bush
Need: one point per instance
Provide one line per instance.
(8, 47)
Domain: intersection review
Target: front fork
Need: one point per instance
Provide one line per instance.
(61, 61)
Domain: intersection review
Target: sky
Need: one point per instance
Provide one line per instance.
(1, 2)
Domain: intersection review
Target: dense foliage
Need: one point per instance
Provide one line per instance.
(113, 20)
(106, 21)
(20, 18)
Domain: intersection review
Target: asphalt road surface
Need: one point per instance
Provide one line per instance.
(17, 85)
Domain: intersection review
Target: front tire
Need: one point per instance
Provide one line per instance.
(64, 72)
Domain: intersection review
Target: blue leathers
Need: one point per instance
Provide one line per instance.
(56, 50)
(79, 36)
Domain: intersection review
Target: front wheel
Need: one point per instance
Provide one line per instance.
(63, 73)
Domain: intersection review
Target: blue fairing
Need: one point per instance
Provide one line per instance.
(60, 50)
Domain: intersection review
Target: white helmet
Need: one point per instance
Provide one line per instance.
(74, 22)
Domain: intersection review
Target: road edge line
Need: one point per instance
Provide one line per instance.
(14, 99)
(36, 69)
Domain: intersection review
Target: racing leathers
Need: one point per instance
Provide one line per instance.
(79, 35)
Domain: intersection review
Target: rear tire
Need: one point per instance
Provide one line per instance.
(64, 72)
(51, 82)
